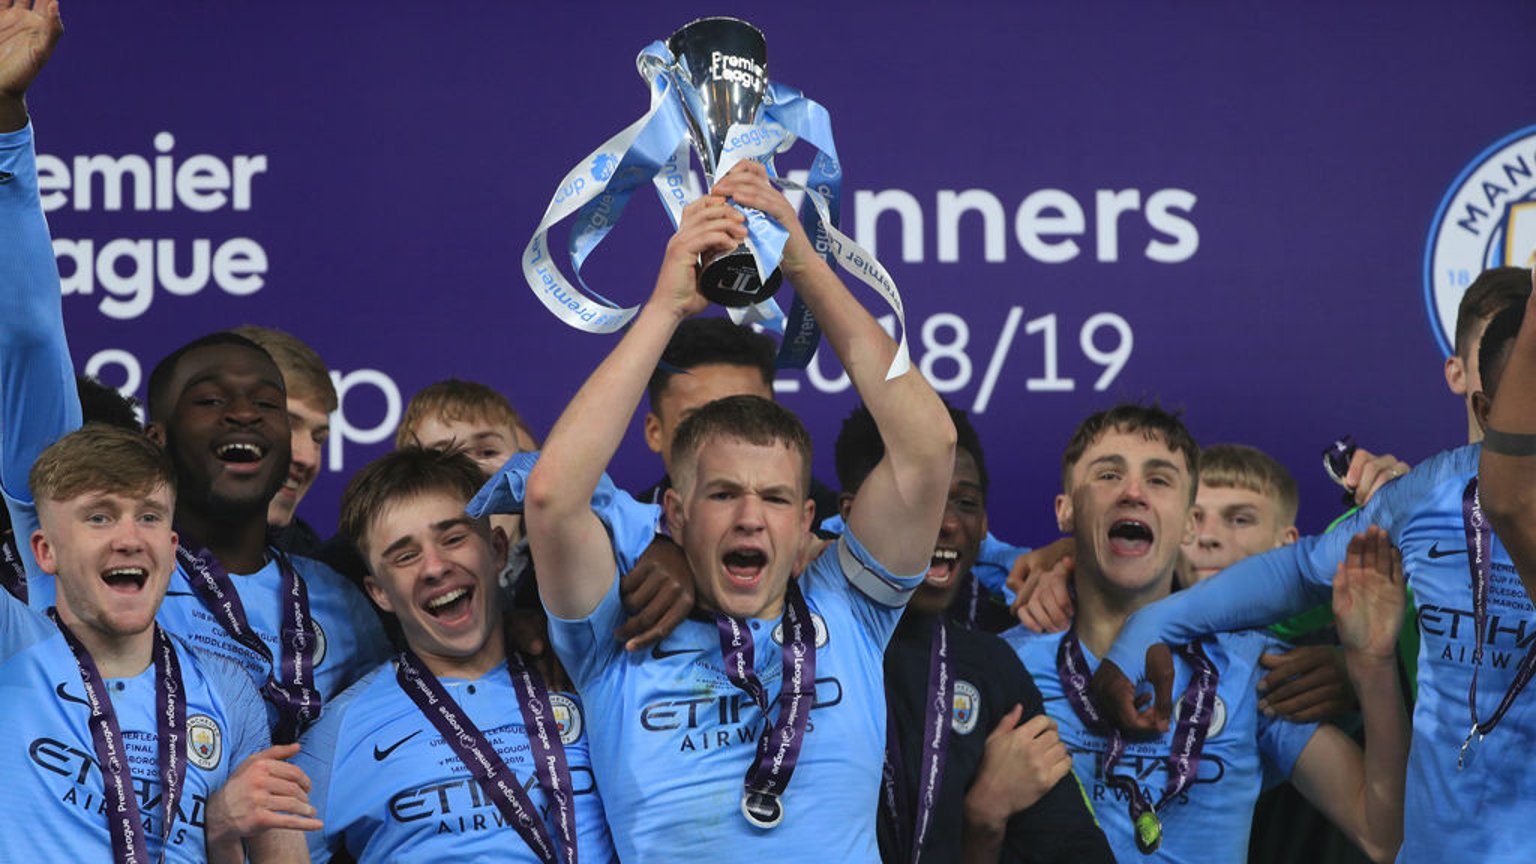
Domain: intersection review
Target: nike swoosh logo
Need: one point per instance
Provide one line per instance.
(1436, 552)
(180, 594)
(1044, 698)
(659, 653)
(381, 755)
(5, 176)
(63, 694)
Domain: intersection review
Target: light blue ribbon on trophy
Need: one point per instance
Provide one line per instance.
(655, 148)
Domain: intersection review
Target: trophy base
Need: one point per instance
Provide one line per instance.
(731, 280)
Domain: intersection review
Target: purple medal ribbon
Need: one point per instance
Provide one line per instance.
(939, 702)
(123, 821)
(13, 574)
(778, 745)
(1196, 709)
(1480, 562)
(495, 779)
(291, 685)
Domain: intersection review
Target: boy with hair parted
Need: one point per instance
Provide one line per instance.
(456, 711)
(132, 745)
(1129, 476)
(708, 748)
(217, 405)
(993, 782)
(1462, 803)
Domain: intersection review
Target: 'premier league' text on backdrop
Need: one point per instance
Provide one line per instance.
(128, 270)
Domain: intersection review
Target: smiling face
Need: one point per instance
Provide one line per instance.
(742, 515)
(310, 426)
(112, 554)
(434, 568)
(227, 429)
(1232, 523)
(1128, 508)
(960, 535)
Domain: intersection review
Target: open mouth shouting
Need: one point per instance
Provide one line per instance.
(241, 457)
(452, 606)
(1130, 537)
(942, 567)
(744, 567)
(125, 580)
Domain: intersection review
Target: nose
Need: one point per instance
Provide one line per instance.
(1133, 492)
(434, 565)
(949, 526)
(129, 537)
(750, 514)
(241, 410)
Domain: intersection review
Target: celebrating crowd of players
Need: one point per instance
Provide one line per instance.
(501, 656)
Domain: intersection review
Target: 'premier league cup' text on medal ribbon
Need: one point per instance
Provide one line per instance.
(710, 92)
(939, 706)
(1196, 710)
(778, 746)
(291, 685)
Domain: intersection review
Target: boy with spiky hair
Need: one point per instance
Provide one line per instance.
(133, 744)
(1129, 476)
(434, 569)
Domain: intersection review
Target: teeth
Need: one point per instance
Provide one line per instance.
(440, 602)
(231, 449)
(946, 555)
(129, 572)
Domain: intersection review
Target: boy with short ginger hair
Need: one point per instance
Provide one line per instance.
(1246, 503)
(182, 731)
(458, 414)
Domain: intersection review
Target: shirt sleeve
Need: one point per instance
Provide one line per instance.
(586, 646)
(1059, 827)
(20, 627)
(1262, 589)
(994, 562)
(38, 403)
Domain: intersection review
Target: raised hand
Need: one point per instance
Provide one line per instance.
(1116, 695)
(28, 31)
(1368, 597)
(708, 226)
(747, 184)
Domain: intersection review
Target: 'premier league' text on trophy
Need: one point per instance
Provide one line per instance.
(720, 71)
(709, 93)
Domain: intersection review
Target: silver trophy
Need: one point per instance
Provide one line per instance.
(720, 71)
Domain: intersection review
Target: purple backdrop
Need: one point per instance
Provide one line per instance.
(1278, 167)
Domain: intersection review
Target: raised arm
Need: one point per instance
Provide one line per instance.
(1364, 795)
(899, 506)
(37, 386)
(569, 544)
(1507, 471)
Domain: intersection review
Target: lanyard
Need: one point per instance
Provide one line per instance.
(13, 574)
(290, 686)
(938, 699)
(494, 778)
(1196, 709)
(121, 805)
(778, 745)
(1480, 563)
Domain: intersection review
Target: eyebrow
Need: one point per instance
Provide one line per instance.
(214, 375)
(437, 528)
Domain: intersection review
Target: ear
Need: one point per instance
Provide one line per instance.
(844, 505)
(156, 433)
(380, 598)
(808, 517)
(672, 506)
(502, 547)
(42, 550)
(1064, 514)
(1189, 526)
(653, 431)
(1456, 375)
(1288, 536)
(1481, 406)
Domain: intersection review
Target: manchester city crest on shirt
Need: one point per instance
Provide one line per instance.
(1486, 219)
(567, 717)
(967, 708)
(816, 622)
(205, 744)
